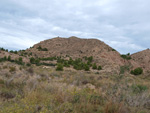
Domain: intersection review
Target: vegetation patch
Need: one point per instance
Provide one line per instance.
(42, 49)
(137, 71)
(127, 56)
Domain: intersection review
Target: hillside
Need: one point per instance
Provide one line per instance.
(75, 47)
(73, 75)
(142, 58)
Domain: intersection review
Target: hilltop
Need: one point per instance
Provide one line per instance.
(75, 47)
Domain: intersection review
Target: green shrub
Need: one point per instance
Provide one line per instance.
(28, 64)
(86, 67)
(94, 66)
(137, 71)
(113, 50)
(32, 60)
(42, 49)
(20, 59)
(138, 88)
(90, 59)
(5, 58)
(99, 68)
(127, 56)
(59, 67)
(66, 64)
(9, 58)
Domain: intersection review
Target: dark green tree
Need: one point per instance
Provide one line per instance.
(137, 71)
(99, 68)
(94, 66)
(20, 59)
(9, 58)
(86, 67)
(32, 60)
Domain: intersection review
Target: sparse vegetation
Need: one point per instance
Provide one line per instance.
(59, 67)
(139, 88)
(50, 85)
(127, 56)
(94, 66)
(137, 71)
(124, 69)
(113, 50)
(42, 49)
(99, 68)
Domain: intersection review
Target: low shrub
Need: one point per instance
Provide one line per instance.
(86, 68)
(127, 56)
(42, 49)
(138, 88)
(59, 67)
(123, 69)
(94, 66)
(99, 68)
(137, 71)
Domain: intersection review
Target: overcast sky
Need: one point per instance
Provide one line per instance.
(122, 24)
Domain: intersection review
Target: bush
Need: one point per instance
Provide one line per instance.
(138, 88)
(9, 58)
(28, 64)
(127, 57)
(20, 59)
(5, 58)
(113, 50)
(90, 59)
(59, 67)
(42, 49)
(94, 66)
(137, 71)
(99, 68)
(32, 60)
(86, 67)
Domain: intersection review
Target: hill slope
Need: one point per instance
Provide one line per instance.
(79, 48)
(142, 58)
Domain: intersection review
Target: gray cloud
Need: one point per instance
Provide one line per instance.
(124, 25)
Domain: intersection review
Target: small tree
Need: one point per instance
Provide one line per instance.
(32, 60)
(137, 71)
(5, 58)
(99, 68)
(94, 66)
(86, 67)
(59, 67)
(9, 58)
(90, 59)
(20, 59)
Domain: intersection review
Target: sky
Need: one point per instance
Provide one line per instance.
(122, 24)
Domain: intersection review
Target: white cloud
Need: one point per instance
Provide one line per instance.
(124, 25)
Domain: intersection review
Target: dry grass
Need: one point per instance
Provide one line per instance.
(48, 91)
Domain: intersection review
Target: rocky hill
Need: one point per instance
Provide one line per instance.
(73, 47)
(142, 58)
(78, 48)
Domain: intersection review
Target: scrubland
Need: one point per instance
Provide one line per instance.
(34, 89)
